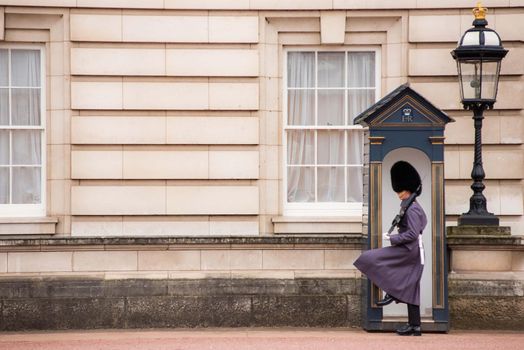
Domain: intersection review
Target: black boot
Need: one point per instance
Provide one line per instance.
(409, 330)
(388, 299)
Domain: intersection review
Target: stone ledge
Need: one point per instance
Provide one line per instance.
(28, 226)
(494, 236)
(352, 241)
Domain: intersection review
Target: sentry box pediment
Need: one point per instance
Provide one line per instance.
(406, 126)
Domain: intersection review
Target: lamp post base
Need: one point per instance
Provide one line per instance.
(487, 219)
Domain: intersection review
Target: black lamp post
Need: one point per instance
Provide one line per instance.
(478, 59)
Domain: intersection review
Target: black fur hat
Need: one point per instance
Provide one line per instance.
(404, 177)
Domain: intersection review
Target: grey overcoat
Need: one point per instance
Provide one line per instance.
(398, 269)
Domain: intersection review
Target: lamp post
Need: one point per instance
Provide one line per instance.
(478, 59)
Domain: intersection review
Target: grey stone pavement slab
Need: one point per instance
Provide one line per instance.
(256, 339)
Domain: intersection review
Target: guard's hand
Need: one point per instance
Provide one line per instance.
(385, 236)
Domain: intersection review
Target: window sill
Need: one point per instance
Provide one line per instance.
(317, 225)
(28, 226)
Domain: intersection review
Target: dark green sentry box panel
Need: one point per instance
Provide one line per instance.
(405, 126)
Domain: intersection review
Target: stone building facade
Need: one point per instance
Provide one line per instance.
(159, 156)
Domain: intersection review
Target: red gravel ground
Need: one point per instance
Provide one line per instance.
(257, 339)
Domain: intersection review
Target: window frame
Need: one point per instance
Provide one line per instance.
(321, 208)
(30, 210)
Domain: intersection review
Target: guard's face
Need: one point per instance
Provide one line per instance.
(403, 195)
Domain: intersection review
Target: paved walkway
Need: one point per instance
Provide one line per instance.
(256, 339)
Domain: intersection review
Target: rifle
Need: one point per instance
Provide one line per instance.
(403, 209)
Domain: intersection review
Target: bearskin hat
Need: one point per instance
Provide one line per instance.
(404, 177)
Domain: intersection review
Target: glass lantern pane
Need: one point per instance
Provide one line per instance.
(331, 184)
(300, 184)
(301, 69)
(4, 75)
(355, 184)
(26, 185)
(489, 80)
(470, 79)
(300, 147)
(25, 68)
(331, 107)
(331, 69)
(25, 106)
(4, 185)
(330, 147)
(361, 69)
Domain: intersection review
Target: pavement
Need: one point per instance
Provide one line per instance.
(257, 339)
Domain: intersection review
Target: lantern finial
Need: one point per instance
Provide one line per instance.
(480, 12)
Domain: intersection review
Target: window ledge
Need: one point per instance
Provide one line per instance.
(317, 225)
(28, 226)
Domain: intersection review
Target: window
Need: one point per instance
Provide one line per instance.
(22, 137)
(325, 91)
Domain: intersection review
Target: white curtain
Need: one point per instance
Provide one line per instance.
(338, 163)
(24, 157)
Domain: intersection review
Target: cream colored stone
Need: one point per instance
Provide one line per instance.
(477, 261)
(394, 55)
(207, 4)
(164, 28)
(512, 63)
(270, 129)
(269, 197)
(307, 227)
(270, 96)
(118, 200)
(3, 262)
(215, 200)
(267, 274)
(490, 4)
(164, 95)
(293, 259)
(231, 259)
(59, 166)
(169, 260)
(233, 228)
(290, 5)
(166, 228)
(212, 62)
(458, 194)
(26, 36)
(103, 228)
(2, 24)
(56, 64)
(105, 261)
(212, 130)
(448, 28)
(96, 164)
(498, 163)
(511, 200)
(96, 95)
(165, 165)
(59, 129)
(233, 29)
(96, 27)
(332, 27)
(509, 95)
(451, 163)
(338, 259)
(52, 3)
(119, 4)
(121, 61)
(510, 26)
(215, 260)
(233, 165)
(56, 97)
(233, 96)
(28, 226)
(118, 130)
(58, 197)
(511, 129)
(39, 262)
(517, 261)
(431, 62)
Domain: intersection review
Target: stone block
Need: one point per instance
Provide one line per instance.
(3, 262)
(212, 62)
(119, 4)
(96, 164)
(118, 200)
(207, 4)
(332, 27)
(169, 260)
(96, 95)
(233, 228)
(290, 5)
(477, 261)
(337, 259)
(163, 28)
(233, 29)
(99, 227)
(118, 130)
(432, 62)
(111, 61)
(96, 27)
(165, 164)
(39, 262)
(449, 28)
(59, 167)
(233, 164)
(152, 227)
(233, 96)
(212, 130)
(165, 95)
(105, 261)
(212, 200)
(498, 163)
(509, 26)
(293, 259)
